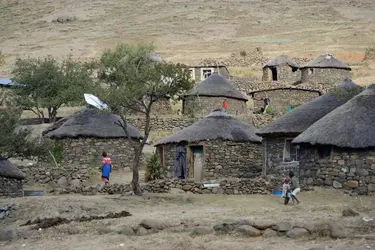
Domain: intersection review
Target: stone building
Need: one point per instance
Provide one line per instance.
(280, 153)
(217, 146)
(84, 135)
(200, 73)
(11, 184)
(340, 146)
(325, 69)
(210, 94)
(282, 98)
(281, 68)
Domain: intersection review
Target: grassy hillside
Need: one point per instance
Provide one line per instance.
(189, 31)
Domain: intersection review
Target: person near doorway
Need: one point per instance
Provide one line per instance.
(225, 104)
(296, 188)
(106, 168)
(180, 162)
(266, 103)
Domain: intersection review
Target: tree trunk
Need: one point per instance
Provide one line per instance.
(52, 112)
(135, 181)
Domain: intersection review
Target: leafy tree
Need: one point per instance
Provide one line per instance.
(135, 81)
(48, 84)
(16, 141)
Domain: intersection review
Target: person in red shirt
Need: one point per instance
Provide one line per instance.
(225, 104)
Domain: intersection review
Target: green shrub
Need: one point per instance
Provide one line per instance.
(243, 53)
(57, 151)
(153, 169)
(270, 111)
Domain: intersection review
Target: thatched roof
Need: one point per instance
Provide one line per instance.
(217, 86)
(326, 61)
(7, 169)
(216, 126)
(90, 123)
(281, 60)
(351, 125)
(299, 119)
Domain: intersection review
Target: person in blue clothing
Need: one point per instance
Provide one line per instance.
(106, 168)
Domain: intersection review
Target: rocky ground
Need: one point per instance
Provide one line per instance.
(325, 218)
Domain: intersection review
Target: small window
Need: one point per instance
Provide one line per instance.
(206, 73)
(290, 151)
(324, 152)
(311, 71)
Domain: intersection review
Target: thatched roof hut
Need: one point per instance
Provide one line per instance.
(326, 61)
(90, 123)
(216, 86)
(216, 126)
(351, 125)
(281, 60)
(299, 119)
(8, 170)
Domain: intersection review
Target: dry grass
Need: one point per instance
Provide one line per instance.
(206, 210)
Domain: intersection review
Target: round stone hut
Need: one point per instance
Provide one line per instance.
(84, 135)
(282, 68)
(210, 94)
(325, 69)
(216, 146)
(340, 147)
(280, 154)
(11, 180)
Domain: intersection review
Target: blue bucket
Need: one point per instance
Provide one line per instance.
(277, 192)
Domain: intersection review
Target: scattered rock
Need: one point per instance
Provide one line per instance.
(268, 233)
(201, 231)
(321, 229)
(150, 224)
(73, 231)
(247, 231)
(308, 227)
(297, 233)
(141, 231)
(337, 185)
(262, 224)
(283, 227)
(349, 212)
(62, 182)
(6, 234)
(223, 228)
(127, 230)
(65, 19)
(337, 231)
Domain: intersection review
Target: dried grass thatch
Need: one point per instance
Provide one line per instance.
(351, 125)
(90, 123)
(299, 119)
(216, 126)
(7, 169)
(216, 86)
(326, 61)
(281, 60)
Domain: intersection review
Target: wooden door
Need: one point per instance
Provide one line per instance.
(198, 162)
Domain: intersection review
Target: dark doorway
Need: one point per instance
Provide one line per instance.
(274, 74)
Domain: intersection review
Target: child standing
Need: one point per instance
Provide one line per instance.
(286, 191)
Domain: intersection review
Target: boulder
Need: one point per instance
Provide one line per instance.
(62, 182)
(141, 231)
(262, 224)
(247, 231)
(6, 234)
(283, 227)
(223, 228)
(126, 230)
(337, 185)
(268, 233)
(347, 212)
(337, 231)
(150, 224)
(321, 229)
(297, 233)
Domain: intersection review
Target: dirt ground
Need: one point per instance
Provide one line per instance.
(204, 210)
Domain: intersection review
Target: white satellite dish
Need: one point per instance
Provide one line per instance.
(94, 101)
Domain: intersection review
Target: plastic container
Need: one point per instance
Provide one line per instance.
(277, 192)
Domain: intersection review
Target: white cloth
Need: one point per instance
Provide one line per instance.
(296, 191)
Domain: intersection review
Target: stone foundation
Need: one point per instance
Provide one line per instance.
(204, 105)
(10, 187)
(222, 159)
(352, 169)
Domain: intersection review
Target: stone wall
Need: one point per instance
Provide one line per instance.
(162, 107)
(280, 99)
(222, 159)
(273, 162)
(330, 77)
(351, 169)
(162, 123)
(284, 73)
(82, 156)
(10, 187)
(204, 105)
